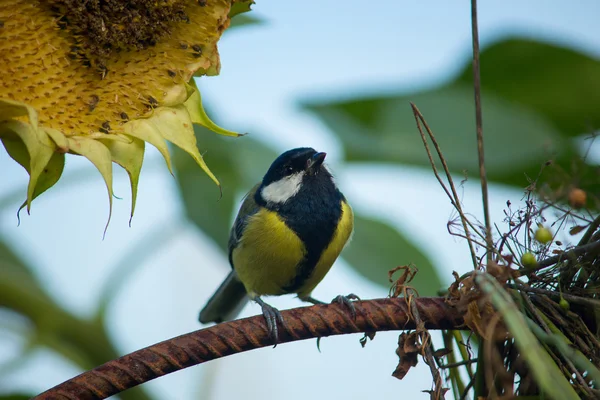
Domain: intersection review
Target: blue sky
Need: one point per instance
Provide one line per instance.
(303, 50)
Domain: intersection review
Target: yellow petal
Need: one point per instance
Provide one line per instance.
(145, 129)
(100, 156)
(199, 116)
(40, 150)
(175, 95)
(175, 125)
(59, 139)
(50, 175)
(129, 156)
(11, 108)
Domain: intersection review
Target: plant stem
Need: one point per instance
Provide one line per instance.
(479, 127)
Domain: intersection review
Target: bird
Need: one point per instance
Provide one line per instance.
(290, 229)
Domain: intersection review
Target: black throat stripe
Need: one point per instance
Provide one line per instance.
(313, 214)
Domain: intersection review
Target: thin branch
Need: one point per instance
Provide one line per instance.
(247, 334)
(459, 364)
(454, 196)
(573, 252)
(594, 304)
(438, 391)
(590, 231)
(479, 126)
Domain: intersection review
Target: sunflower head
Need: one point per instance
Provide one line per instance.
(101, 78)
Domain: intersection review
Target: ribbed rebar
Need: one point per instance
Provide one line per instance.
(246, 334)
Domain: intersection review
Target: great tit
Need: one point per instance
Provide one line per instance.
(290, 229)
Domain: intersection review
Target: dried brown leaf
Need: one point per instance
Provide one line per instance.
(576, 229)
(407, 351)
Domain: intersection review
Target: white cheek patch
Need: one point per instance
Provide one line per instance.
(282, 190)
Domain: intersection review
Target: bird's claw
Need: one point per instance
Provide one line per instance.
(347, 301)
(312, 300)
(272, 316)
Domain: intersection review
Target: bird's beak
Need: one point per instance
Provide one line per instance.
(313, 163)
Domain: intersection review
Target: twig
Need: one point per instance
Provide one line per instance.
(551, 329)
(467, 389)
(463, 349)
(550, 261)
(479, 126)
(458, 364)
(569, 297)
(454, 196)
(572, 354)
(590, 231)
(574, 252)
(542, 321)
(438, 390)
(546, 373)
(460, 235)
(454, 374)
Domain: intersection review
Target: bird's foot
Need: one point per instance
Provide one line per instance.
(347, 301)
(272, 315)
(310, 299)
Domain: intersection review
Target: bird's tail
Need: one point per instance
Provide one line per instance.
(227, 302)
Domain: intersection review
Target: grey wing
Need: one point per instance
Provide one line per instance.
(248, 208)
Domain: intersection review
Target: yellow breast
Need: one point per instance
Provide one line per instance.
(267, 256)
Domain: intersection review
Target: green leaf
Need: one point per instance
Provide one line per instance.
(11, 108)
(199, 116)
(84, 342)
(244, 20)
(560, 84)
(10, 261)
(240, 7)
(16, 396)
(377, 248)
(130, 156)
(531, 111)
(239, 164)
(100, 156)
(35, 151)
(517, 141)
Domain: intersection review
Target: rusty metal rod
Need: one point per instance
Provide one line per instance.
(246, 334)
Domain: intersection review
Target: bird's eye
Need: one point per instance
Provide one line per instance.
(289, 169)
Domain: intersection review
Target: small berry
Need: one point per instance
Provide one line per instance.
(563, 304)
(528, 260)
(577, 198)
(543, 235)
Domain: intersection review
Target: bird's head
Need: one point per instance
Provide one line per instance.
(293, 171)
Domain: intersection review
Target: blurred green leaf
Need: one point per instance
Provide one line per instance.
(383, 129)
(560, 84)
(83, 342)
(15, 271)
(532, 109)
(11, 261)
(238, 163)
(16, 396)
(244, 20)
(377, 248)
